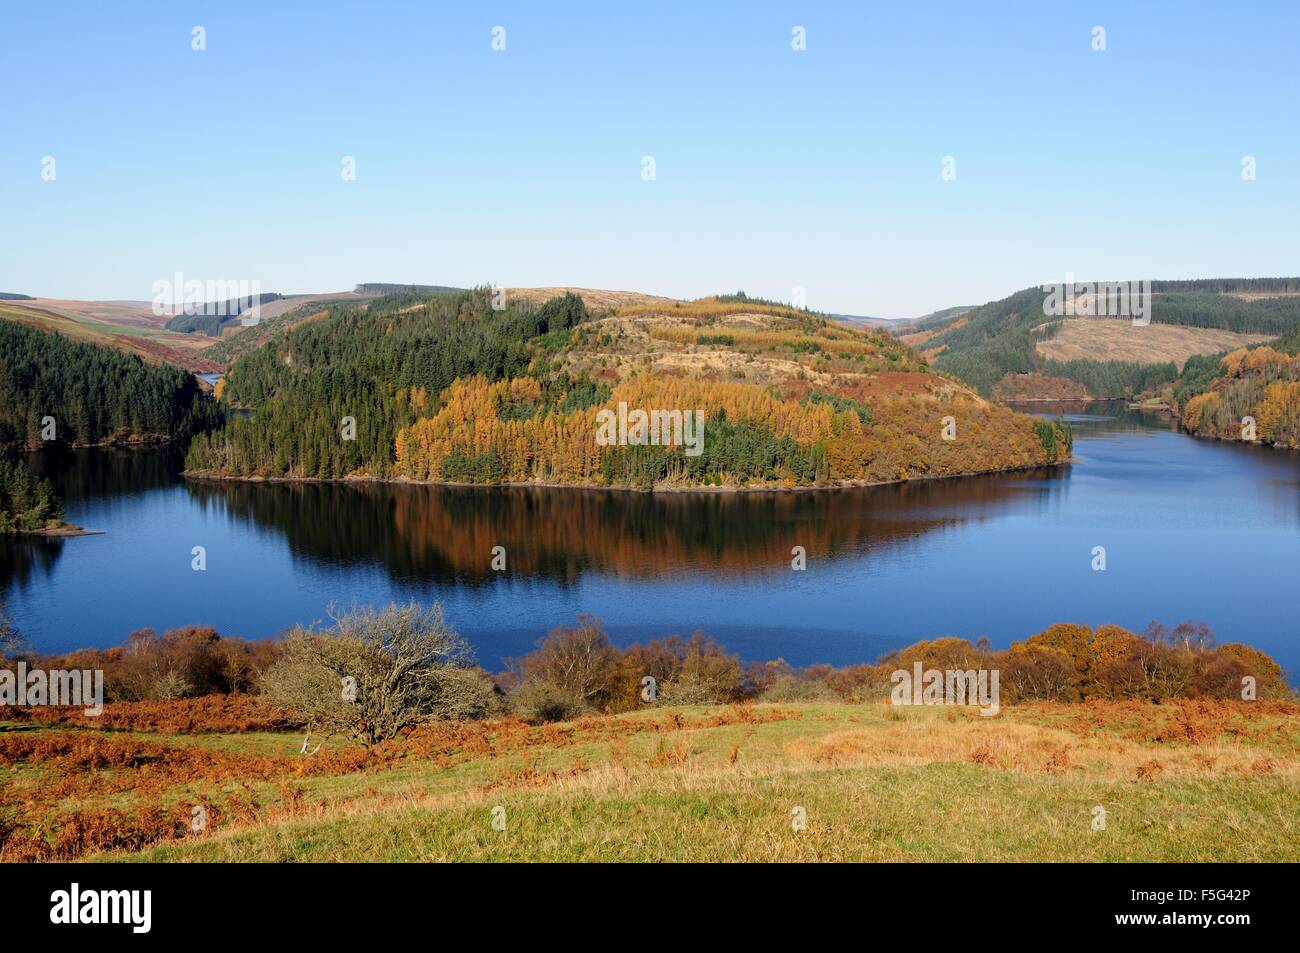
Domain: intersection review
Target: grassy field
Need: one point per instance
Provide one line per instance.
(1178, 782)
(1108, 339)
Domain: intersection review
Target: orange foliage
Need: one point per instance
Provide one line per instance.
(901, 442)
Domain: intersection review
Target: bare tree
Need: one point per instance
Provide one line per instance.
(375, 674)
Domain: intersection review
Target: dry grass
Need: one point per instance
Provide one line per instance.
(1111, 339)
(596, 299)
(1190, 780)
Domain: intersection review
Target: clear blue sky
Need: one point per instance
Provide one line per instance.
(774, 168)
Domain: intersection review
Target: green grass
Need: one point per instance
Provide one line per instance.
(876, 784)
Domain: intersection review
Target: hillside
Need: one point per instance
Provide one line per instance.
(1108, 357)
(127, 326)
(1118, 340)
(213, 317)
(447, 387)
(1250, 394)
(1196, 780)
(198, 343)
(902, 326)
(55, 390)
(277, 318)
(565, 756)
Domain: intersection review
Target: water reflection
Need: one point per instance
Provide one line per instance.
(96, 474)
(446, 534)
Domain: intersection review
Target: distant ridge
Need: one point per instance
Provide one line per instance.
(12, 296)
(383, 288)
(1006, 339)
(902, 325)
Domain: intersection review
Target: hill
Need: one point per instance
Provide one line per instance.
(1118, 340)
(211, 317)
(56, 390)
(1186, 781)
(1013, 336)
(373, 288)
(455, 387)
(1249, 394)
(127, 326)
(902, 326)
(277, 318)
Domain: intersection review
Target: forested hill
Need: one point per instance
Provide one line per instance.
(1250, 394)
(444, 387)
(381, 365)
(1110, 357)
(94, 395)
(210, 317)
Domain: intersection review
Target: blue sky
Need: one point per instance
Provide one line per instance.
(774, 168)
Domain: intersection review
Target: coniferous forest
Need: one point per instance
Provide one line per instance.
(380, 366)
(56, 390)
(27, 501)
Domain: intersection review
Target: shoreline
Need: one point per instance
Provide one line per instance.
(66, 531)
(1261, 444)
(151, 443)
(207, 477)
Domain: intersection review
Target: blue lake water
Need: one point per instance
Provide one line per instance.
(1192, 530)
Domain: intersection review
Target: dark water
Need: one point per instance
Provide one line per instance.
(1192, 529)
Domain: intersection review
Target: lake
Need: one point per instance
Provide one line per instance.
(1192, 530)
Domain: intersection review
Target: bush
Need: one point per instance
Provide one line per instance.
(1270, 683)
(859, 682)
(575, 665)
(180, 663)
(538, 702)
(706, 674)
(404, 665)
(468, 694)
(791, 688)
(1039, 673)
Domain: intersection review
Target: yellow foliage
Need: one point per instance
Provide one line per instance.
(902, 441)
(1262, 357)
(1278, 414)
(1200, 410)
(1234, 361)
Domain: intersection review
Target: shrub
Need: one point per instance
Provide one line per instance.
(176, 664)
(1039, 673)
(706, 674)
(576, 664)
(538, 702)
(404, 662)
(1270, 683)
(859, 682)
(468, 694)
(791, 688)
